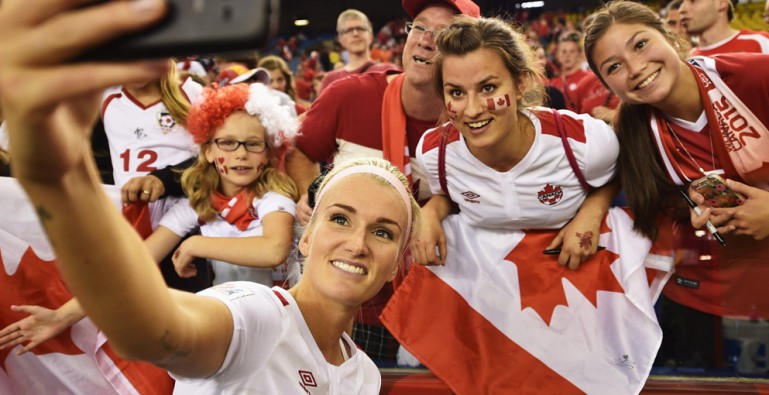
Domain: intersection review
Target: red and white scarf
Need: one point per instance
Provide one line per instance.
(394, 146)
(741, 141)
(235, 210)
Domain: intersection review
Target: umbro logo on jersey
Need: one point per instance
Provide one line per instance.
(550, 195)
(471, 197)
(308, 380)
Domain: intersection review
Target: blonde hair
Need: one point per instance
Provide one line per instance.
(381, 163)
(201, 180)
(352, 14)
(172, 96)
(467, 34)
(5, 158)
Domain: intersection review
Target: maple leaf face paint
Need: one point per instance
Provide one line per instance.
(220, 166)
(497, 103)
(451, 111)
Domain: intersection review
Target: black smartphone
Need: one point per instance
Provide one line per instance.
(196, 27)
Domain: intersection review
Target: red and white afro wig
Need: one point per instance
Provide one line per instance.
(216, 104)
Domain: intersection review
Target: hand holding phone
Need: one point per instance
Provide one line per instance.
(716, 193)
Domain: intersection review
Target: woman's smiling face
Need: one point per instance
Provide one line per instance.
(481, 98)
(637, 63)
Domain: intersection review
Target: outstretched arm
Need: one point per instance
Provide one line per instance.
(101, 257)
(42, 325)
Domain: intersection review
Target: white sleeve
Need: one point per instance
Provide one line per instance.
(597, 157)
(272, 202)
(110, 91)
(257, 319)
(181, 218)
(192, 89)
(601, 152)
(428, 163)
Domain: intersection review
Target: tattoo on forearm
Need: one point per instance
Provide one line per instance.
(167, 344)
(585, 240)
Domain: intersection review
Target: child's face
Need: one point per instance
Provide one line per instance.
(239, 152)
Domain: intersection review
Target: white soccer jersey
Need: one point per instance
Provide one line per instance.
(143, 139)
(182, 219)
(541, 191)
(273, 352)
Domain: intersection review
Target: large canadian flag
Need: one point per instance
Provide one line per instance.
(78, 361)
(501, 317)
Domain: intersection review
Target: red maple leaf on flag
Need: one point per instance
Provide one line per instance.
(35, 282)
(540, 276)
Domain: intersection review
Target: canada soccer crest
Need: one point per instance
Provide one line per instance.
(166, 122)
(550, 195)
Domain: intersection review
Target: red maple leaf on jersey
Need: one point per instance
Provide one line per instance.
(540, 276)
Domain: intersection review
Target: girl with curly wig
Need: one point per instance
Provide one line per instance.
(236, 189)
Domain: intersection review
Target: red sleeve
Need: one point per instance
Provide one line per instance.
(432, 138)
(350, 110)
(575, 128)
(317, 138)
(747, 75)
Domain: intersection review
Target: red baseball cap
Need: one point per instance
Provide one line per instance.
(467, 7)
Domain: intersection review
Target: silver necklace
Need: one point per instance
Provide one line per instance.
(691, 158)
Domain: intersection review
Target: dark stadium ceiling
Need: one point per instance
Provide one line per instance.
(322, 13)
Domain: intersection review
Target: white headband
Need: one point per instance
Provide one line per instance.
(376, 170)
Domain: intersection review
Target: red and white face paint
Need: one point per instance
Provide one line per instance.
(498, 103)
(451, 110)
(221, 167)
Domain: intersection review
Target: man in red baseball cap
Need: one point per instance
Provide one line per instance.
(467, 7)
(378, 114)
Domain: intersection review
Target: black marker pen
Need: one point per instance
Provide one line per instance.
(711, 228)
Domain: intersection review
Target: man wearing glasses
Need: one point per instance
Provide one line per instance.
(355, 35)
(381, 114)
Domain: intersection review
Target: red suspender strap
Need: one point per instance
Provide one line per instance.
(282, 299)
(569, 152)
(442, 163)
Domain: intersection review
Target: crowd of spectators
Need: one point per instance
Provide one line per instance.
(311, 57)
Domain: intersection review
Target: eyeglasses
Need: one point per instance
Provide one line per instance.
(230, 145)
(421, 30)
(353, 29)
